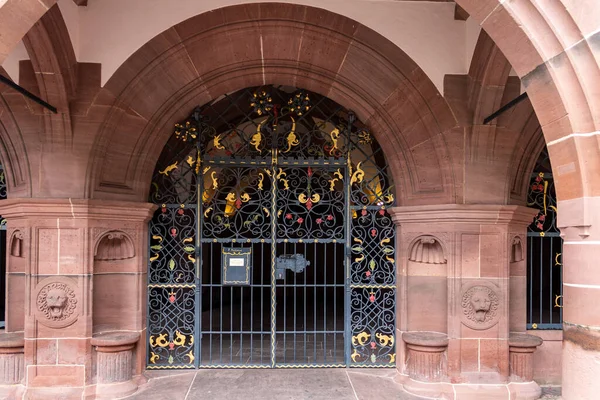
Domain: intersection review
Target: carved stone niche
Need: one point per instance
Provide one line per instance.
(516, 250)
(480, 303)
(114, 364)
(56, 302)
(427, 250)
(16, 244)
(114, 246)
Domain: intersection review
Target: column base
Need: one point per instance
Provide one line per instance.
(435, 390)
(465, 391)
(45, 393)
(11, 391)
(526, 391)
(115, 390)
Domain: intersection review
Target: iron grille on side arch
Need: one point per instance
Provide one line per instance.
(544, 263)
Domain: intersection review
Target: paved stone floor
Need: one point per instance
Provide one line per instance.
(251, 384)
(551, 393)
(307, 384)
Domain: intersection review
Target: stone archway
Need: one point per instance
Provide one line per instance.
(552, 47)
(324, 52)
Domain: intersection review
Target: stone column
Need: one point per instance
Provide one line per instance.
(477, 246)
(579, 223)
(61, 238)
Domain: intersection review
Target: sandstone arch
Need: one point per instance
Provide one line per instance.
(187, 65)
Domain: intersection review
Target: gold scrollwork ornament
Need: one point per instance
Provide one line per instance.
(292, 139)
(257, 137)
(358, 175)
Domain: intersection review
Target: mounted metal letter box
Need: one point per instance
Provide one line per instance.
(236, 266)
(293, 262)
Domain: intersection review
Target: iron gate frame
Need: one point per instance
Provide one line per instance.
(544, 312)
(354, 282)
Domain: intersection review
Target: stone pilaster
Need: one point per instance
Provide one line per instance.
(473, 249)
(62, 296)
(579, 223)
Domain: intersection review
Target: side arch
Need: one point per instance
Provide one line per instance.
(551, 47)
(13, 151)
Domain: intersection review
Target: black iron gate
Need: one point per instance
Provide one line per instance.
(544, 250)
(272, 245)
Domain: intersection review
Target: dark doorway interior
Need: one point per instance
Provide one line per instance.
(309, 309)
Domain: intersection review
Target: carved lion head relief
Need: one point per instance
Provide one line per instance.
(480, 303)
(56, 302)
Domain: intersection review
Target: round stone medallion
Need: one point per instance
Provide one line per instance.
(56, 302)
(480, 303)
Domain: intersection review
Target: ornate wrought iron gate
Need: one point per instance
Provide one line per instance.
(272, 245)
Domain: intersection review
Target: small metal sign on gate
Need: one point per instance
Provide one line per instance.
(236, 266)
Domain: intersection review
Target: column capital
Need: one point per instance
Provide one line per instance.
(463, 213)
(13, 209)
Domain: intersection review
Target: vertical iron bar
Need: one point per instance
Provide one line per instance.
(211, 304)
(295, 302)
(305, 337)
(285, 249)
(541, 277)
(230, 324)
(531, 279)
(241, 323)
(325, 304)
(347, 234)
(252, 309)
(273, 249)
(262, 307)
(551, 265)
(315, 310)
(221, 330)
(198, 254)
(335, 294)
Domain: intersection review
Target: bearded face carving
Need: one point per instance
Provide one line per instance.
(56, 304)
(481, 304)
